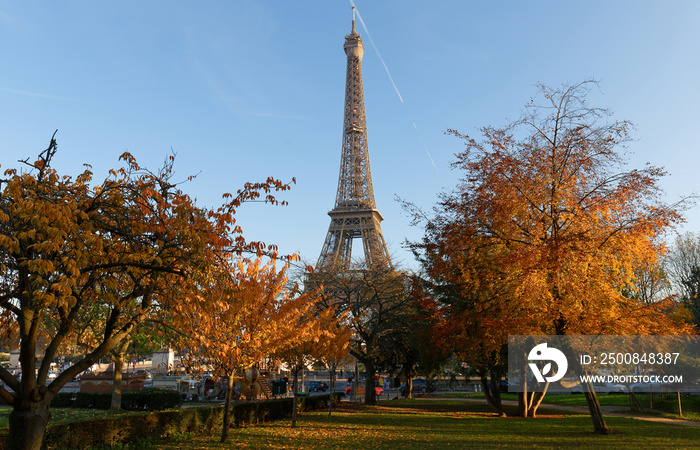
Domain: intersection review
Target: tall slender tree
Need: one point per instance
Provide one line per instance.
(336, 349)
(313, 332)
(243, 313)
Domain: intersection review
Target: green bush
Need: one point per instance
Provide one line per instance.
(131, 428)
(63, 400)
(315, 402)
(116, 430)
(151, 399)
(92, 400)
(145, 399)
(256, 412)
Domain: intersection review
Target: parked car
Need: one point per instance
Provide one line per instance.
(315, 386)
(646, 387)
(420, 386)
(602, 388)
(502, 386)
(377, 390)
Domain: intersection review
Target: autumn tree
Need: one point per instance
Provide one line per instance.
(471, 318)
(683, 269)
(119, 247)
(651, 284)
(376, 300)
(243, 313)
(547, 228)
(314, 331)
(414, 348)
(335, 350)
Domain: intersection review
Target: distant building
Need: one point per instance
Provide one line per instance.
(162, 361)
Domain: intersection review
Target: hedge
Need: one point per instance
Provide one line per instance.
(250, 413)
(130, 428)
(145, 399)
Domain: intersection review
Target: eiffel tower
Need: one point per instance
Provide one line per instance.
(355, 214)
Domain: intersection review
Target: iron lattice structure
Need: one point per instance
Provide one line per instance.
(355, 214)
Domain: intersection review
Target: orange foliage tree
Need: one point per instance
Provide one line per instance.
(546, 231)
(336, 349)
(242, 314)
(108, 254)
(316, 334)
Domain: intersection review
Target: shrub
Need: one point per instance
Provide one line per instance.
(116, 430)
(256, 412)
(151, 399)
(63, 400)
(145, 399)
(131, 428)
(92, 400)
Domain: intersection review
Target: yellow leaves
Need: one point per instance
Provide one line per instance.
(40, 266)
(9, 243)
(135, 241)
(247, 311)
(545, 231)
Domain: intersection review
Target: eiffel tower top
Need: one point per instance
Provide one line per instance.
(355, 215)
(355, 189)
(353, 43)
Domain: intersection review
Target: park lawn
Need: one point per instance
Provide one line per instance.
(419, 424)
(562, 399)
(666, 406)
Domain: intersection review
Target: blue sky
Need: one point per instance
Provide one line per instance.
(242, 90)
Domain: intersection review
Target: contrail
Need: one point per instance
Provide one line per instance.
(431, 158)
(369, 36)
(352, 3)
(426, 148)
(36, 94)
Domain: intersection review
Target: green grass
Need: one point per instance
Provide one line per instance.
(562, 399)
(419, 424)
(666, 405)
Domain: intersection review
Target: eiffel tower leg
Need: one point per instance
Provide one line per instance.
(337, 249)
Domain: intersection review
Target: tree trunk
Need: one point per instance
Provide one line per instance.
(356, 382)
(524, 399)
(493, 402)
(370, 394)
(409, 388)
(599, 425)
(227, 409)
(294, 401)
(332, 386)
(118, 359)
(536, 401)
(28, 423)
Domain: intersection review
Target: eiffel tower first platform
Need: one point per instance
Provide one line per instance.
(355, 214)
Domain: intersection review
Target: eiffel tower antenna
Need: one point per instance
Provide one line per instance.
(355, 215)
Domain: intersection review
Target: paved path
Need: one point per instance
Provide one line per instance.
(607, 411)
